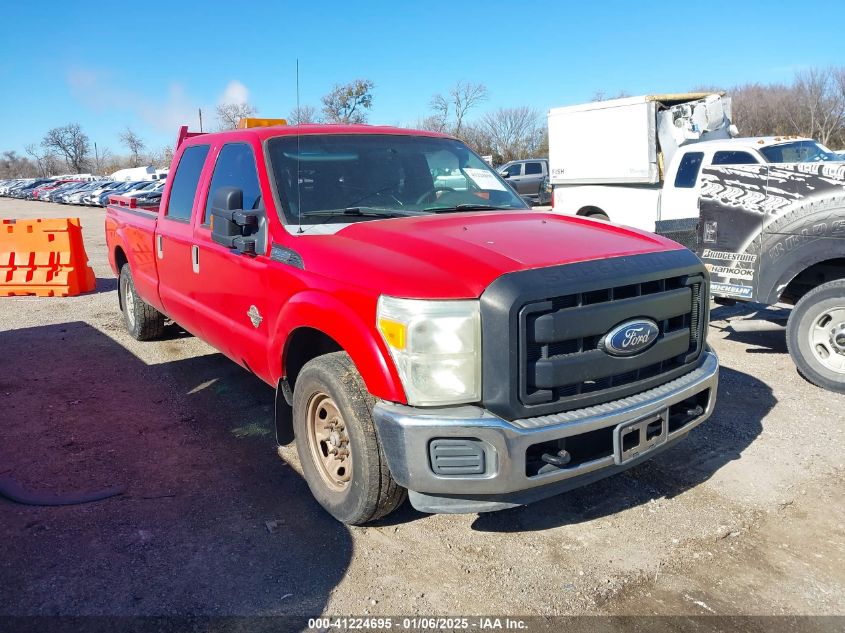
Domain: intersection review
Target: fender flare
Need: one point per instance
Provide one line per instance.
(780, 274)
(322, 312)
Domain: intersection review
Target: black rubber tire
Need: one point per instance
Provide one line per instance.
(804, 314)
(372, 492)
(148, 323)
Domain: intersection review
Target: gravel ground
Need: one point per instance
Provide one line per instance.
(746, 516)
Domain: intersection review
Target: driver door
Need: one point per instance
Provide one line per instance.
(230, 285)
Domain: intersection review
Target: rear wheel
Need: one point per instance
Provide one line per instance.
(815, 335)
(142, 320)
(342, 459)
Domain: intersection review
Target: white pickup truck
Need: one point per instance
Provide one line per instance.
(672, 208)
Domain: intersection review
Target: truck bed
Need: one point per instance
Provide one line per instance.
(136, 227)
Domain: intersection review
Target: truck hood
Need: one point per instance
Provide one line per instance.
(459, 255)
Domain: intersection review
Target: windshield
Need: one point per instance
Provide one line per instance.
(798, 152)
(355, 177)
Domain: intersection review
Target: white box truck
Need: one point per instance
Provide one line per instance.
(607, 159)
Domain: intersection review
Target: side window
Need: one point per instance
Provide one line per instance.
(184, 187)
(733, 158)
(532, 169)
(513, 170)
(235, 168)
(688, 170)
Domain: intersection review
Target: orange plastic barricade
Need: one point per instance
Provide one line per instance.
(43, 257)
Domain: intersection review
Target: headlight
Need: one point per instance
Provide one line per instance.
(436, 346)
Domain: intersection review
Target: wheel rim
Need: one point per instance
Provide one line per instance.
(827, 339)
(328, 441)
(128, 302)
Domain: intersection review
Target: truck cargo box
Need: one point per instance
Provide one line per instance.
(616, 141)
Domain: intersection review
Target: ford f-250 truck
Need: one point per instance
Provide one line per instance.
(444, 340)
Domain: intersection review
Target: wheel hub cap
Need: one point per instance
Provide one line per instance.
(328, 441)
(129, 303)
(827, 339)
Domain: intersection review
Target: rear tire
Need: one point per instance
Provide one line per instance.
(142, 321)
(815, 336)
(341, 456)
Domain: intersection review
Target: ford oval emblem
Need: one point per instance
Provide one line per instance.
(631, 337)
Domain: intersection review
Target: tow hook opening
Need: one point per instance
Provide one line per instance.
(685, 411)
(570, 452)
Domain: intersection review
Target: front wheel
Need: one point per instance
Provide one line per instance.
(815, 336)
(336, 440)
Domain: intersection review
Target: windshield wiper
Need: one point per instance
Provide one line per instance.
(359, 212)
(463, 207)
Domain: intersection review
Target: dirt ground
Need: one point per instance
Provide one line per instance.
(746, 516)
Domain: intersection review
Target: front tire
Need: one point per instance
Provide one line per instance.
(142, 321)
(341, 456)
(815, 336)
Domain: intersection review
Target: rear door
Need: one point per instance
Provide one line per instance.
(232, 287)
(175, 239)
(529, 183)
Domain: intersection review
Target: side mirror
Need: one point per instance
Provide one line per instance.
(234, 227)
(505, 175)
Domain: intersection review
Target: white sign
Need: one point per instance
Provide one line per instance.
(484, 179)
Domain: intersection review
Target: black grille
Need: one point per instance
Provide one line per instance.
(561, 337)
(554, 359)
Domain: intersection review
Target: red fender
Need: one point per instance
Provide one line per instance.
(359, 339)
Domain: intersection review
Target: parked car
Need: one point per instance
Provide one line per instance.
(92, 198)
(76, 195)
(526, 176)
(123, 188)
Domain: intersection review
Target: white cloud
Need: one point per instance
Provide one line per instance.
(235, 92)
(99, 91)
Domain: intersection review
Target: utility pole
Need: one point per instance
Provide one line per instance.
(96, 158)
(200, 111)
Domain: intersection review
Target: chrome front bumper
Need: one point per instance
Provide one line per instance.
(406, 435)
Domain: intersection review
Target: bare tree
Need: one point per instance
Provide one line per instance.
(14, 166)
(134, 144)
(71, 143)
(348, 103)
(479, 139)
(449, 112)
(465, 96)
(163, 157)
(438, 121)
(601, 95)
(229, 114)
(44, 160)
(514, 132)
(817, 107)
(301, 115)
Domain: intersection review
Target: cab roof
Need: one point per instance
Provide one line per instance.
(755, 141)
(270, 131)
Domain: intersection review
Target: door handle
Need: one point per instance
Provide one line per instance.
(195, 258)
(159, 247)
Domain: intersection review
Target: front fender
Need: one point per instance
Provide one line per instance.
(357, 337)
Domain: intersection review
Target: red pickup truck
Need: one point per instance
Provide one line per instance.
(424, 329)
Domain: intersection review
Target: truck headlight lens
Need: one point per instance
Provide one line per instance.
(436, 346)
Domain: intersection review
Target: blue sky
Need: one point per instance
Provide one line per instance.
(109, 65)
